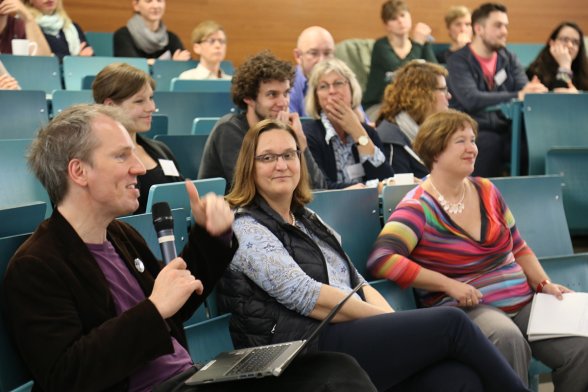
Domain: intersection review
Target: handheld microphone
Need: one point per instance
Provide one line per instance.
(163, 222)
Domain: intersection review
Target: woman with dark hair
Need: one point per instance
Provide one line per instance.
(562, 64)
(131, 89)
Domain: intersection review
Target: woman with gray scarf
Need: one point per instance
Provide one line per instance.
(145, 35)
(418, 91)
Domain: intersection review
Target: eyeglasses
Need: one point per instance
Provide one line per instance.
(337, 85)
(287, 156)
(313, 53)
(568, 40)
(212, 41)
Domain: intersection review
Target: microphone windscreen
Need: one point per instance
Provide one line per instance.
(162, 216)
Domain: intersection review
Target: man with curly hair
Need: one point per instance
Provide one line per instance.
(261, 89)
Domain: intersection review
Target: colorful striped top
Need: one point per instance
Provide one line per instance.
(419, 233)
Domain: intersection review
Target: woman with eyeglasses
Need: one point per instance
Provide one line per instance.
(348, 151)
(210, 43)
(562, 65)
(418, 91)
(290, 271)
(145, 35)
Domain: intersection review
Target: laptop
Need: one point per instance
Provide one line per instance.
(261, 361)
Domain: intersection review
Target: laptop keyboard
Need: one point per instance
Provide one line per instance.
(258, 359)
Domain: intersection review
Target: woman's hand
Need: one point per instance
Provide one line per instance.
(86, 50)
(466, 295)
(556, 290)
(344, 117)
(561, 54)
(7, 82)
(421, 33)
(181, 55)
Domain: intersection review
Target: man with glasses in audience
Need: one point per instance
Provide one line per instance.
(261, 89)
(485, 73)
(314, 45)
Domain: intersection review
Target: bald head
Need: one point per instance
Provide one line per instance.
(314, 45)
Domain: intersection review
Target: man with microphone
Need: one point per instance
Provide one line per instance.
(89, 306)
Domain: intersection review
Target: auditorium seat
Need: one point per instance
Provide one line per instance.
(34, 72)
(22, 113)
(187, 150)
(76, 67)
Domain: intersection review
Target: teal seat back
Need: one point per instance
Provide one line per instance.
(13, 372)
(163, 71)
(22, 113)
(183, 107)
(187, 150)
(22, 218)
(176, 196)
(62, 99)
(159, 125)
(34, 72)
(391, 196)
(354, 214)
(570, 271)
(18, 185)
(204, 125)
(143, 223)
(572, 164)
(209, 338)
(201, 86)
(101, 42)
(537, 206)
(554, 120)
(526, 52)
(76, 67)
(399, 299)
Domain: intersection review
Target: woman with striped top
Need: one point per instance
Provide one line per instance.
(455, 240)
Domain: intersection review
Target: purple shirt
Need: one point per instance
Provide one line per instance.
(297, 92)
(127, 293)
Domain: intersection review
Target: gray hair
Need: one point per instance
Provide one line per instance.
(69, 135)
(312, 106)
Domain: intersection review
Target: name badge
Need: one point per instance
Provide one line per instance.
(169, 169)
(355, 171)
(500, 77)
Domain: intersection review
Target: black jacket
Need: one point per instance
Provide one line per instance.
(257, 318)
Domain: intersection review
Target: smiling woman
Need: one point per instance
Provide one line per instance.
(64, 36)
(131, 89)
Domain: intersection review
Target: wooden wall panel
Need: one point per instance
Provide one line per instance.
(259, 24)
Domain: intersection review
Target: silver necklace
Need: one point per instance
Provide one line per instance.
(293, 218)
(451, 208)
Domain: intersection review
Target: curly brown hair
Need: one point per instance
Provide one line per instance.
(262, 67)
(413, 91)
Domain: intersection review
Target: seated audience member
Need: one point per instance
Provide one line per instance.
(90, 307)
(210, 43)
(261, 89)
(458, 21)
(562, 65)
(7, 82)
(64, 36)
(314, 45)
(418, 91)
(145, 35)
(485, 73)
(347, 151)
(290, 271)
(17, 22)
(394, 50)
(131, 89)
(455, 240)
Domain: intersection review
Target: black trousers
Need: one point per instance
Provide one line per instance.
(436, 349)
(320, 372)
